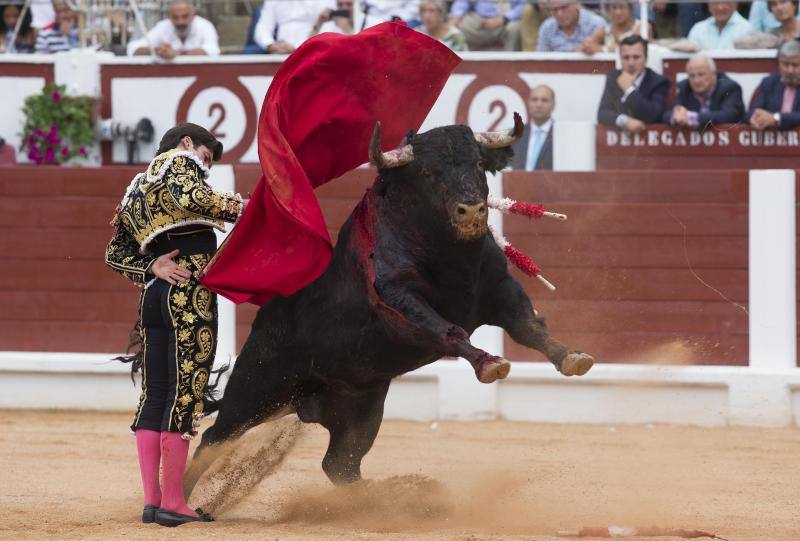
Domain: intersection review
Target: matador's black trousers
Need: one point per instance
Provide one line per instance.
(179, 334)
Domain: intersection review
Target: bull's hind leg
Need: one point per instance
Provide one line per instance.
(508, 306)
(353, 421)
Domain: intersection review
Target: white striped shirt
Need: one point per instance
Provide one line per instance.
(51, 40)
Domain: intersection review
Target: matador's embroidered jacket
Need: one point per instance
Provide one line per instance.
(171, 193)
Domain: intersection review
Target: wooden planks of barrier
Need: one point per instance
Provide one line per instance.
(625, 290)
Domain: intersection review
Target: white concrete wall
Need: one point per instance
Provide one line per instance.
(609, 394)
(772, 268)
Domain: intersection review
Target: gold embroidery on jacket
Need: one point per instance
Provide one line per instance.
(172, 194)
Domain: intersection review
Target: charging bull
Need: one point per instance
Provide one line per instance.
(415, 271)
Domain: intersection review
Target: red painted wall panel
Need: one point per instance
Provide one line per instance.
(625, 290)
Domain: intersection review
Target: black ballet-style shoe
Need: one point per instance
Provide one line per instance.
(149, 514)
(171, 519)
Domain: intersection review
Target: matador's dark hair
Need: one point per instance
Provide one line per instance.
(198, 134)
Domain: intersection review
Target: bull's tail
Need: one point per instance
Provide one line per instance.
(210, 398)
(134, 344)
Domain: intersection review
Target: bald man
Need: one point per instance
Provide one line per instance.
(534, 150)
(705, 98)
(184, 33)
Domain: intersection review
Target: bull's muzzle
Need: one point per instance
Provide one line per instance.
(470, 221)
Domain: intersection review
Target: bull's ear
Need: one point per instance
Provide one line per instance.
(495, 159)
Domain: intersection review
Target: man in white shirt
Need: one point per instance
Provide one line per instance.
(184, 33)
(381, 11)
(721, 29)
(534, 150)
(284, 26)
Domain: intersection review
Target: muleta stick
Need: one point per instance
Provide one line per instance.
(619, 531)
(520, 260)
(521, 208)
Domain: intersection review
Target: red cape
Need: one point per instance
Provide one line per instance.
(315, 125)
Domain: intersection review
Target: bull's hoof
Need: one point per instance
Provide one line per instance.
(576, 364)
(493, 369)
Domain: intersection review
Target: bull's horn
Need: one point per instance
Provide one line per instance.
(394, 158)
(500, 139)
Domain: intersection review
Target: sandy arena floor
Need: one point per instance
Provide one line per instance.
(74, 476)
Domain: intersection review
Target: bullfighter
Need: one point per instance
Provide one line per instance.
(164, 234)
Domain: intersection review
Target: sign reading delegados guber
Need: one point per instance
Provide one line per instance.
(719, 137)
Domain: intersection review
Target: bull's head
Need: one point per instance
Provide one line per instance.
(444, 170)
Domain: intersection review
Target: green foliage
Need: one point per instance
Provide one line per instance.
(57, 127)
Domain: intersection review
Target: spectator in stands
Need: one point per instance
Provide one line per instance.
(9, 15)
(283, 25)
(61, 34)
(535, 152)
(721, 29)
(532, 17)
(338, 21)
(250, 45)
(634, 95)
(622, 25)
(381, 11)
(777, 101)
(488, 24)
(761, 17)
(568, 26)
(672, 20)
(434, 24)
(785, 13)
(183, 33)
(705, 98)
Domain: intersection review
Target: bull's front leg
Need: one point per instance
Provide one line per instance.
(507, 305)
(448, 339)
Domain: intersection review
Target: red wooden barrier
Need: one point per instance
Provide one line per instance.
(625, 290)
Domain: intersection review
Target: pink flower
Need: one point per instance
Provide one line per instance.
(38, 133)
(82, 150)
(56, 96)
(53, 129)
(65, 152)
(50, 155)
(38, 160)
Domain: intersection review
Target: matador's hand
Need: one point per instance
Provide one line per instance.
(169, 271)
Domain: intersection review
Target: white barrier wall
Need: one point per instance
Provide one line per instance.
(772, 266)
(534, 392)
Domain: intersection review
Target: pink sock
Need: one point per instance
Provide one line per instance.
(148, 447)
(174, 451)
